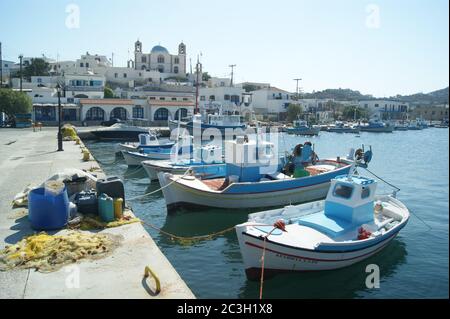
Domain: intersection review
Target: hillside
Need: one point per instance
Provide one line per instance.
(432, 98)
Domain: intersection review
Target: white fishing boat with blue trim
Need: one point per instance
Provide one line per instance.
(351, 225)
(184, 151)
(203, 169)
(251, 185)
(146, 141)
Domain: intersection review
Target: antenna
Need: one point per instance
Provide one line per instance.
(232, 66)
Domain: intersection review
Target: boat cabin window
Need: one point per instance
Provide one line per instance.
(365, 193)
(343, 191)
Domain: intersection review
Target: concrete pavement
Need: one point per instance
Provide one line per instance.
(29, 158)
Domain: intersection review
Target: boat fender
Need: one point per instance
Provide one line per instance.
(363, 233)
(280, 224)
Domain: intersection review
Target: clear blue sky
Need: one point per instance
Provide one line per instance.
(329, 44)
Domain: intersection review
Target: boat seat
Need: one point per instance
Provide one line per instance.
(330, 226)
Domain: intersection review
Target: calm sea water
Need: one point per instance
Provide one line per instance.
(414, 265)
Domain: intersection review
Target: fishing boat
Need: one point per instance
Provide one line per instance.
(251, 184)
(146, 141)
(120, 131)
(301, 127)
(377, 126)
(401, 126)
(136, 158)
(202, 170)
(341, 127)
(414, 125)
(350, 225)
(218, 121)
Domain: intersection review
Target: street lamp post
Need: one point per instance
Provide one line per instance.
(60, 140)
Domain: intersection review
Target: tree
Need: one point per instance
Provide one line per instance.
(38, 67)
(109, 93)
(352, 112)
(205, 76)
(14, 102)
(293, 111)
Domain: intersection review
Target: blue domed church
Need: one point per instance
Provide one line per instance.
(159, 59)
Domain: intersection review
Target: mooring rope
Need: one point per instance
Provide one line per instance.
(393, 186)
(161, 188)
(261, 280)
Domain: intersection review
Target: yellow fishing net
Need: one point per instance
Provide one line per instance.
(69, 132)
(48, 253)
(94, 222)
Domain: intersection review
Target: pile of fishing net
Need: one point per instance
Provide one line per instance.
(93, 222)
(69, 132)
(48, 253)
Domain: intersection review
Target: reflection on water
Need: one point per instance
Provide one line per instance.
(414, 265)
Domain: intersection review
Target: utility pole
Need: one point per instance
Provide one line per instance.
(297, 94)
(21, 75)
(1, 67)
(232, 66)
(197, 70)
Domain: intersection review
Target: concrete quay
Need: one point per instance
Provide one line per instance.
(29, 158)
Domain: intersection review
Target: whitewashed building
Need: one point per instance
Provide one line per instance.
(271, 101)
(386, 109)
(221, 98)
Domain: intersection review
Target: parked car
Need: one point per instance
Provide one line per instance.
(110, 122)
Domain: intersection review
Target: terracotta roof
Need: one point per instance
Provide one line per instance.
(107, 101)
(170, 103)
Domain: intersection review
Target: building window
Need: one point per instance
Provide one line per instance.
(202, 98)
(212, 98)
(160, 59)
(377, 105)
(138, 112)
(124, 75)
(226, 97)
(162, 98)
(177, 61)
(235, 99)
(161, 69)
(186, 99)
(87, 64)
(152, 98)
(119, 113)
(161, 114)
(144, 68)
(183, 113)
(81, 65)
(144, 59)
(175, 70)
(174, 99)
(116, 75)
(140, 74)
(95, 114)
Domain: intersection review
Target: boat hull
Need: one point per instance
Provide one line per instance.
(283, 258)
(377, 129)
(344, 130)
(179, 195)
(310, 131)
(135, 159)
(210, 170)
(117, 135)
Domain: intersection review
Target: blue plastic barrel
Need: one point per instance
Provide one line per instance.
(47, 211)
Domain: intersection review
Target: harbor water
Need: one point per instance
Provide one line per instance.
(414, 265)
